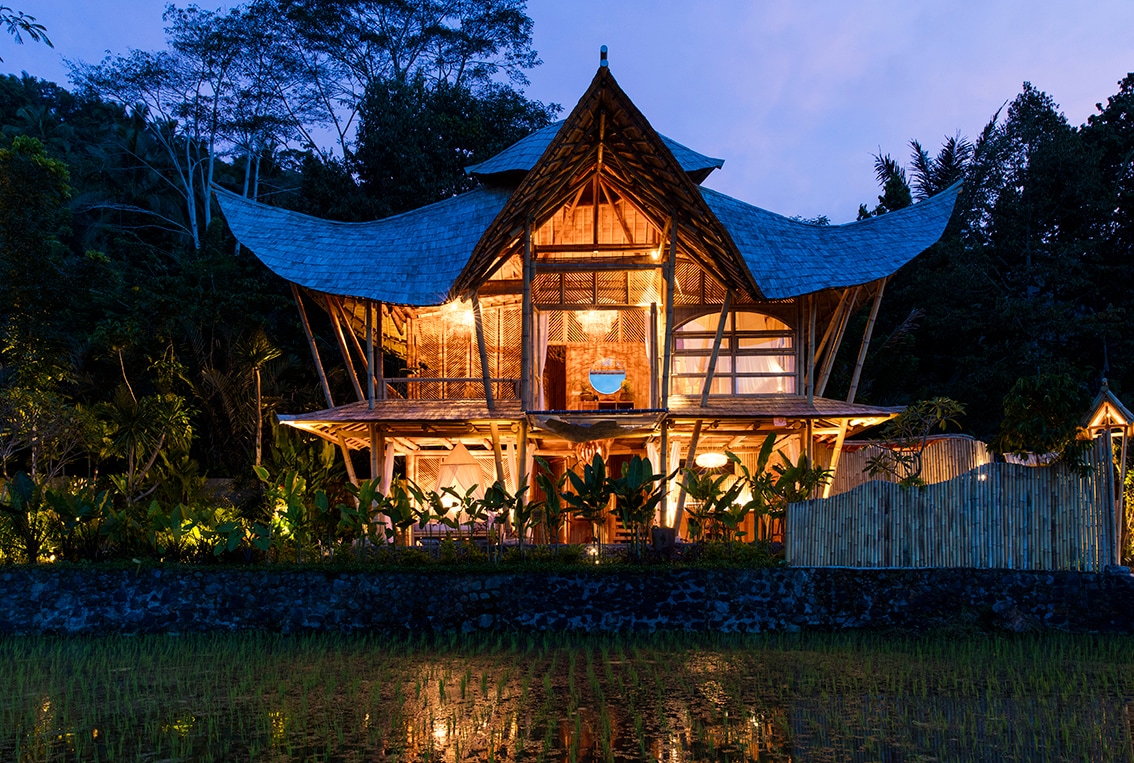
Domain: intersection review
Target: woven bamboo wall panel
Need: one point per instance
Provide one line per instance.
(576, 226)
(943, 460)
(445, 348)
(994, 516)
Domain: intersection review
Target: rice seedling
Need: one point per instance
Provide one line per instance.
(561, 697)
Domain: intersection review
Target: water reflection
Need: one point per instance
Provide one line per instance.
(567, 705)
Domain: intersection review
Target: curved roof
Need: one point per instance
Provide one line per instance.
(522, 155)
(416, 257)
(408, 259)
(788, 258)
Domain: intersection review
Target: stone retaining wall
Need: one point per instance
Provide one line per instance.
(53, 600)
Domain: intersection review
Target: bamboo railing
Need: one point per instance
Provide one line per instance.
(994, 516)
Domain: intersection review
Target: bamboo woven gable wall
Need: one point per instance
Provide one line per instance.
(443, 346)
(944, 459)
(999, 516)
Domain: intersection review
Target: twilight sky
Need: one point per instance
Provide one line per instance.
(795, 96)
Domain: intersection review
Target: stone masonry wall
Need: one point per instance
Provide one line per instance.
(54, 600)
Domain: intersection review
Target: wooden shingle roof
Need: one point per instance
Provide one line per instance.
(433, 254)
(789, 258)
(408, 259)
(522, 155)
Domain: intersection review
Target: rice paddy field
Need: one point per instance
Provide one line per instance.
(505, 697)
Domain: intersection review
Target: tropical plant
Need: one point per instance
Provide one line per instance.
(22, 504)
(909, 434)
(1041, 416)
(715, 511)
(79, 513)
(551, 511)
(637, 493)
(503, 506)
(591, 494)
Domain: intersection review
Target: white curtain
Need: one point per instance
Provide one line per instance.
(672, 488)
(542, 328)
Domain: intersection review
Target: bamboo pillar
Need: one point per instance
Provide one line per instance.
(522, 461)
(370, 384)
(831, 325)
(526, 322)
(837, 340)
(811, 317)
(497, 456)
(654, 396)
(1122, 492)
(482, 350)
(690, 459)
(835, 457)
(376, 447)
(347, 462)
(663, 457)
(311, 344)
(712, 368)
(337, 323)
(380, 353)
(670, 276)
(865, 341)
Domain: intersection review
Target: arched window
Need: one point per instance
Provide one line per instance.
(757, 356)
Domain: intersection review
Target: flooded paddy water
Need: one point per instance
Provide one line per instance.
(510, 697)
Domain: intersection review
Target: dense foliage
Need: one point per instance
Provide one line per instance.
(1028, 288)
(142, 349)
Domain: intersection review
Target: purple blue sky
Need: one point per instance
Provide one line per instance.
(795, 96)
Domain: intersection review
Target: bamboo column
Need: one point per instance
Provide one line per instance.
(654, 396)
(311, 344)
(370, 382)
(663, 457)
(337, 323)
(526, 322)
(811, 318)
(482, 350)
(712, 368)
(497, 457)
(837, 340)
(835, 456)
(670, 275)
(690, 459)
(865, 341)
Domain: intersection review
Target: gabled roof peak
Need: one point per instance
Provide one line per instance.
(522, 155)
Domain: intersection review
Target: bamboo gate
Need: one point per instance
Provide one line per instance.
(996, 515)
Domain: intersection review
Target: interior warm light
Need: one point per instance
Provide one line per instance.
(711, 460)
(460, 313)
(596, 323)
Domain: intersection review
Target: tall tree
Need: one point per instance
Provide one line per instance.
(184, 96)
(325, 54)
(33, 263)
(417, 137)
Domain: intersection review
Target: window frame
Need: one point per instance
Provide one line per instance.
(732, 351)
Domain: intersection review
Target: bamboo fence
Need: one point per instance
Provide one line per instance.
(944, 458)
(997, 515)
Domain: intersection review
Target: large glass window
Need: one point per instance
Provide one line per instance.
(757, 356)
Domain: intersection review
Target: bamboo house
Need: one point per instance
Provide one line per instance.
(589, 296)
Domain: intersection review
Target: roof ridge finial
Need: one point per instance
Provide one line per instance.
(602, 62)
